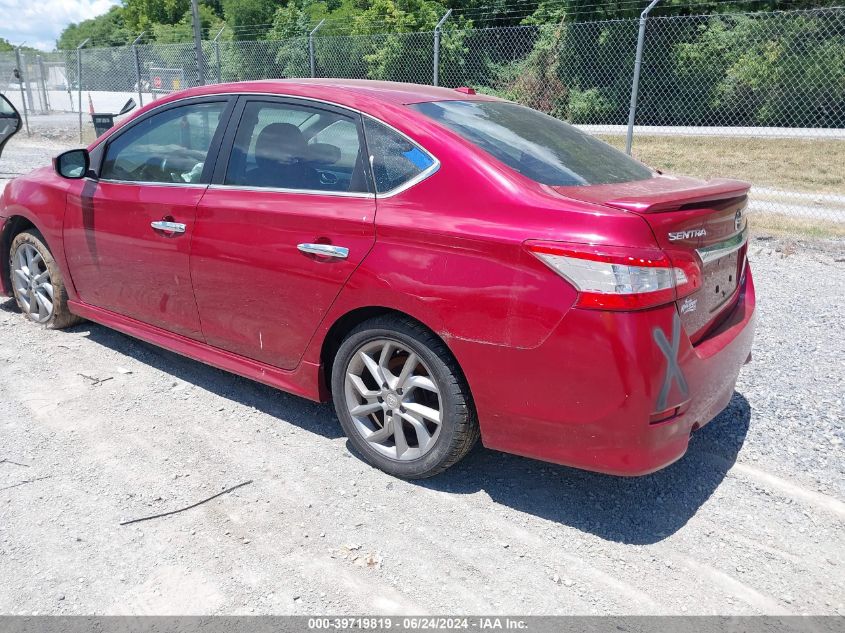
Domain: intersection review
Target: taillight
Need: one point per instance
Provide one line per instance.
(617, 278)
(687, 272)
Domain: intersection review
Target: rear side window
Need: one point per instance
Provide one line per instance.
(396, 160)
(536, 145)
(297, 147)
(343, 135)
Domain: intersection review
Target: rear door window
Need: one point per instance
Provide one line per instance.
(297, 147)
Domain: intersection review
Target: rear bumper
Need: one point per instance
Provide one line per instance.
(590, 394)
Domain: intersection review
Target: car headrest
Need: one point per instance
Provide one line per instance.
(323, 153)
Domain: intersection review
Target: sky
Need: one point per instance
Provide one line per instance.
(39, 22)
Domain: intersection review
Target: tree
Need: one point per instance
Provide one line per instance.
(289, 21)
(398, 16)
(122, 24)
(290, 25)
(257, 14)
(183, 30)
(339, 14)
(143, 15)
(400, 46)
(740, 71)
(109, 29)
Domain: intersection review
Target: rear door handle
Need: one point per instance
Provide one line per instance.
(169, 227)
(324, 250)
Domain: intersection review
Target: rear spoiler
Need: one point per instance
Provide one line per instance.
(710, 191)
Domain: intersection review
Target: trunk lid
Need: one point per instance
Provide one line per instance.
(689, 217)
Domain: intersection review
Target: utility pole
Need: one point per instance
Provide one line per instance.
(195, 17)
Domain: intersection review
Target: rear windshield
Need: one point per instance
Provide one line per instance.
(536, 145)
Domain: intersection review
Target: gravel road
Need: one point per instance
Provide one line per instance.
(97, 428)
(21, 155)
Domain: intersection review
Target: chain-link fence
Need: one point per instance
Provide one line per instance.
(756, 96)
(39, 80)
(759, 97)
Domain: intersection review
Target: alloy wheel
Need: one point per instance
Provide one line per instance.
(393, 401)
(32, 284)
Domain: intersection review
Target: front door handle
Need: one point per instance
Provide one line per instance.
(168, 227)
(324, 250)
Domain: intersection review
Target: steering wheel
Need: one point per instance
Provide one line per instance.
(154, 170)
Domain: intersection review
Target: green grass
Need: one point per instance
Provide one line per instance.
(790, 164)
(765, 223)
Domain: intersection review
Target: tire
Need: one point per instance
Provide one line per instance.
(22, 253)
(408, 406)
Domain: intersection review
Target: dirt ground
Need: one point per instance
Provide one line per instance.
(97, 428)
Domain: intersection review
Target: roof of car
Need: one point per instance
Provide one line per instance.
(344, 90)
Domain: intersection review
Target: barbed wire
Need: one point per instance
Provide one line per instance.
(529, 9)
(479, 16)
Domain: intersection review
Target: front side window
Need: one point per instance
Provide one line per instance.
(536, 145)
(291, 146)
(168, 147)
(395, 159)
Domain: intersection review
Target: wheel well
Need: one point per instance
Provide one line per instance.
(349, 321)
(338, 331)
(14, 226)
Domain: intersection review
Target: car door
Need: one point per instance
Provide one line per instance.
(127, 233)
(287, 218)
(10, 122)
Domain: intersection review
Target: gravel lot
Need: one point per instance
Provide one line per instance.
(751, 521)
(22, 155)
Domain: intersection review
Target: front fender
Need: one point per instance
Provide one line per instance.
(38, 199)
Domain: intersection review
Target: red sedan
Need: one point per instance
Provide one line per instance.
(440, 263)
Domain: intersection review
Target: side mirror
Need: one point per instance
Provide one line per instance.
(10, 121)
(127, 107)
(73, 165)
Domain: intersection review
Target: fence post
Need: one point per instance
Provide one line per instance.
(28, 85)
(217, 54)
(195, 17)
(20, 83)
(436, 77)
(138, 69)
(635, 84)
(34, 75)
(43, 83)
(41, 104)
(311, 48)
(79, 81)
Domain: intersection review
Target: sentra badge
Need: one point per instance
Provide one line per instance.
(685, 235)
